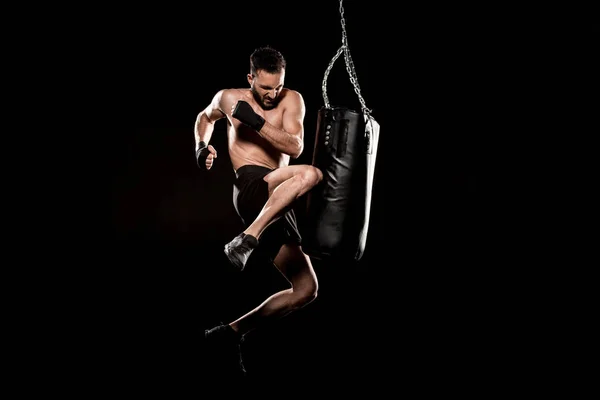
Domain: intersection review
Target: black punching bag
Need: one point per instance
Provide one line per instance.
(338, 208)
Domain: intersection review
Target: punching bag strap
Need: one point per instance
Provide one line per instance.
(349, 68)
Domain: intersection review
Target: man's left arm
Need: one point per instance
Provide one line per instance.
(289, 139)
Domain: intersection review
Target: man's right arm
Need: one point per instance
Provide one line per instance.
(205, 121)
(204, 127)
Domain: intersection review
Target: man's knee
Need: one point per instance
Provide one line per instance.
(311, 176)
(306, 293)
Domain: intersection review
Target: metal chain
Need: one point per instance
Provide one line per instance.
(324, 84)
(349, 66)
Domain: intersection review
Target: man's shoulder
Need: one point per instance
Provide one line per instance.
(232, 92)
(293, 95)
(292, 92)
(228, 95)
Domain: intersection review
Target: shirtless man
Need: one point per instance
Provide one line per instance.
(265, 130)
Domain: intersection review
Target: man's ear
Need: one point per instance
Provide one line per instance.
(250, 79)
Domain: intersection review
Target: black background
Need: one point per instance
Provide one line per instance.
(423, 308)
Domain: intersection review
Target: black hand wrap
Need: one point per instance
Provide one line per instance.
(201, 155)
(244, 112)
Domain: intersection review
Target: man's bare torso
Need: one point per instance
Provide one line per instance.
(245, 144)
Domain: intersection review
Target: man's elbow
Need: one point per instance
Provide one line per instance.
(297, 150)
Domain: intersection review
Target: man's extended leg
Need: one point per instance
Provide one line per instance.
(296, 267)
(225, 339)
(286, 184)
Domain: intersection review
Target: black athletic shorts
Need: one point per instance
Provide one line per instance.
(250, 194)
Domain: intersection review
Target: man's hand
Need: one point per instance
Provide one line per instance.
(244, 112)
(205, 155)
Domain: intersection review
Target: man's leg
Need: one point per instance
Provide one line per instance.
(296, 267)
(286, 184)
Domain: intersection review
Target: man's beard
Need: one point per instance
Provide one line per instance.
(260, 101)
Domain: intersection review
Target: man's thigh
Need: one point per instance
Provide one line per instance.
(282, 174)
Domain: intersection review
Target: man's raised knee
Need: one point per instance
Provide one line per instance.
(312, 176)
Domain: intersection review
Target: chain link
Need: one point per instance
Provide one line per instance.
(349, 66)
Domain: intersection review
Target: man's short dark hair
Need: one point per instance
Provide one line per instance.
(267, 59)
